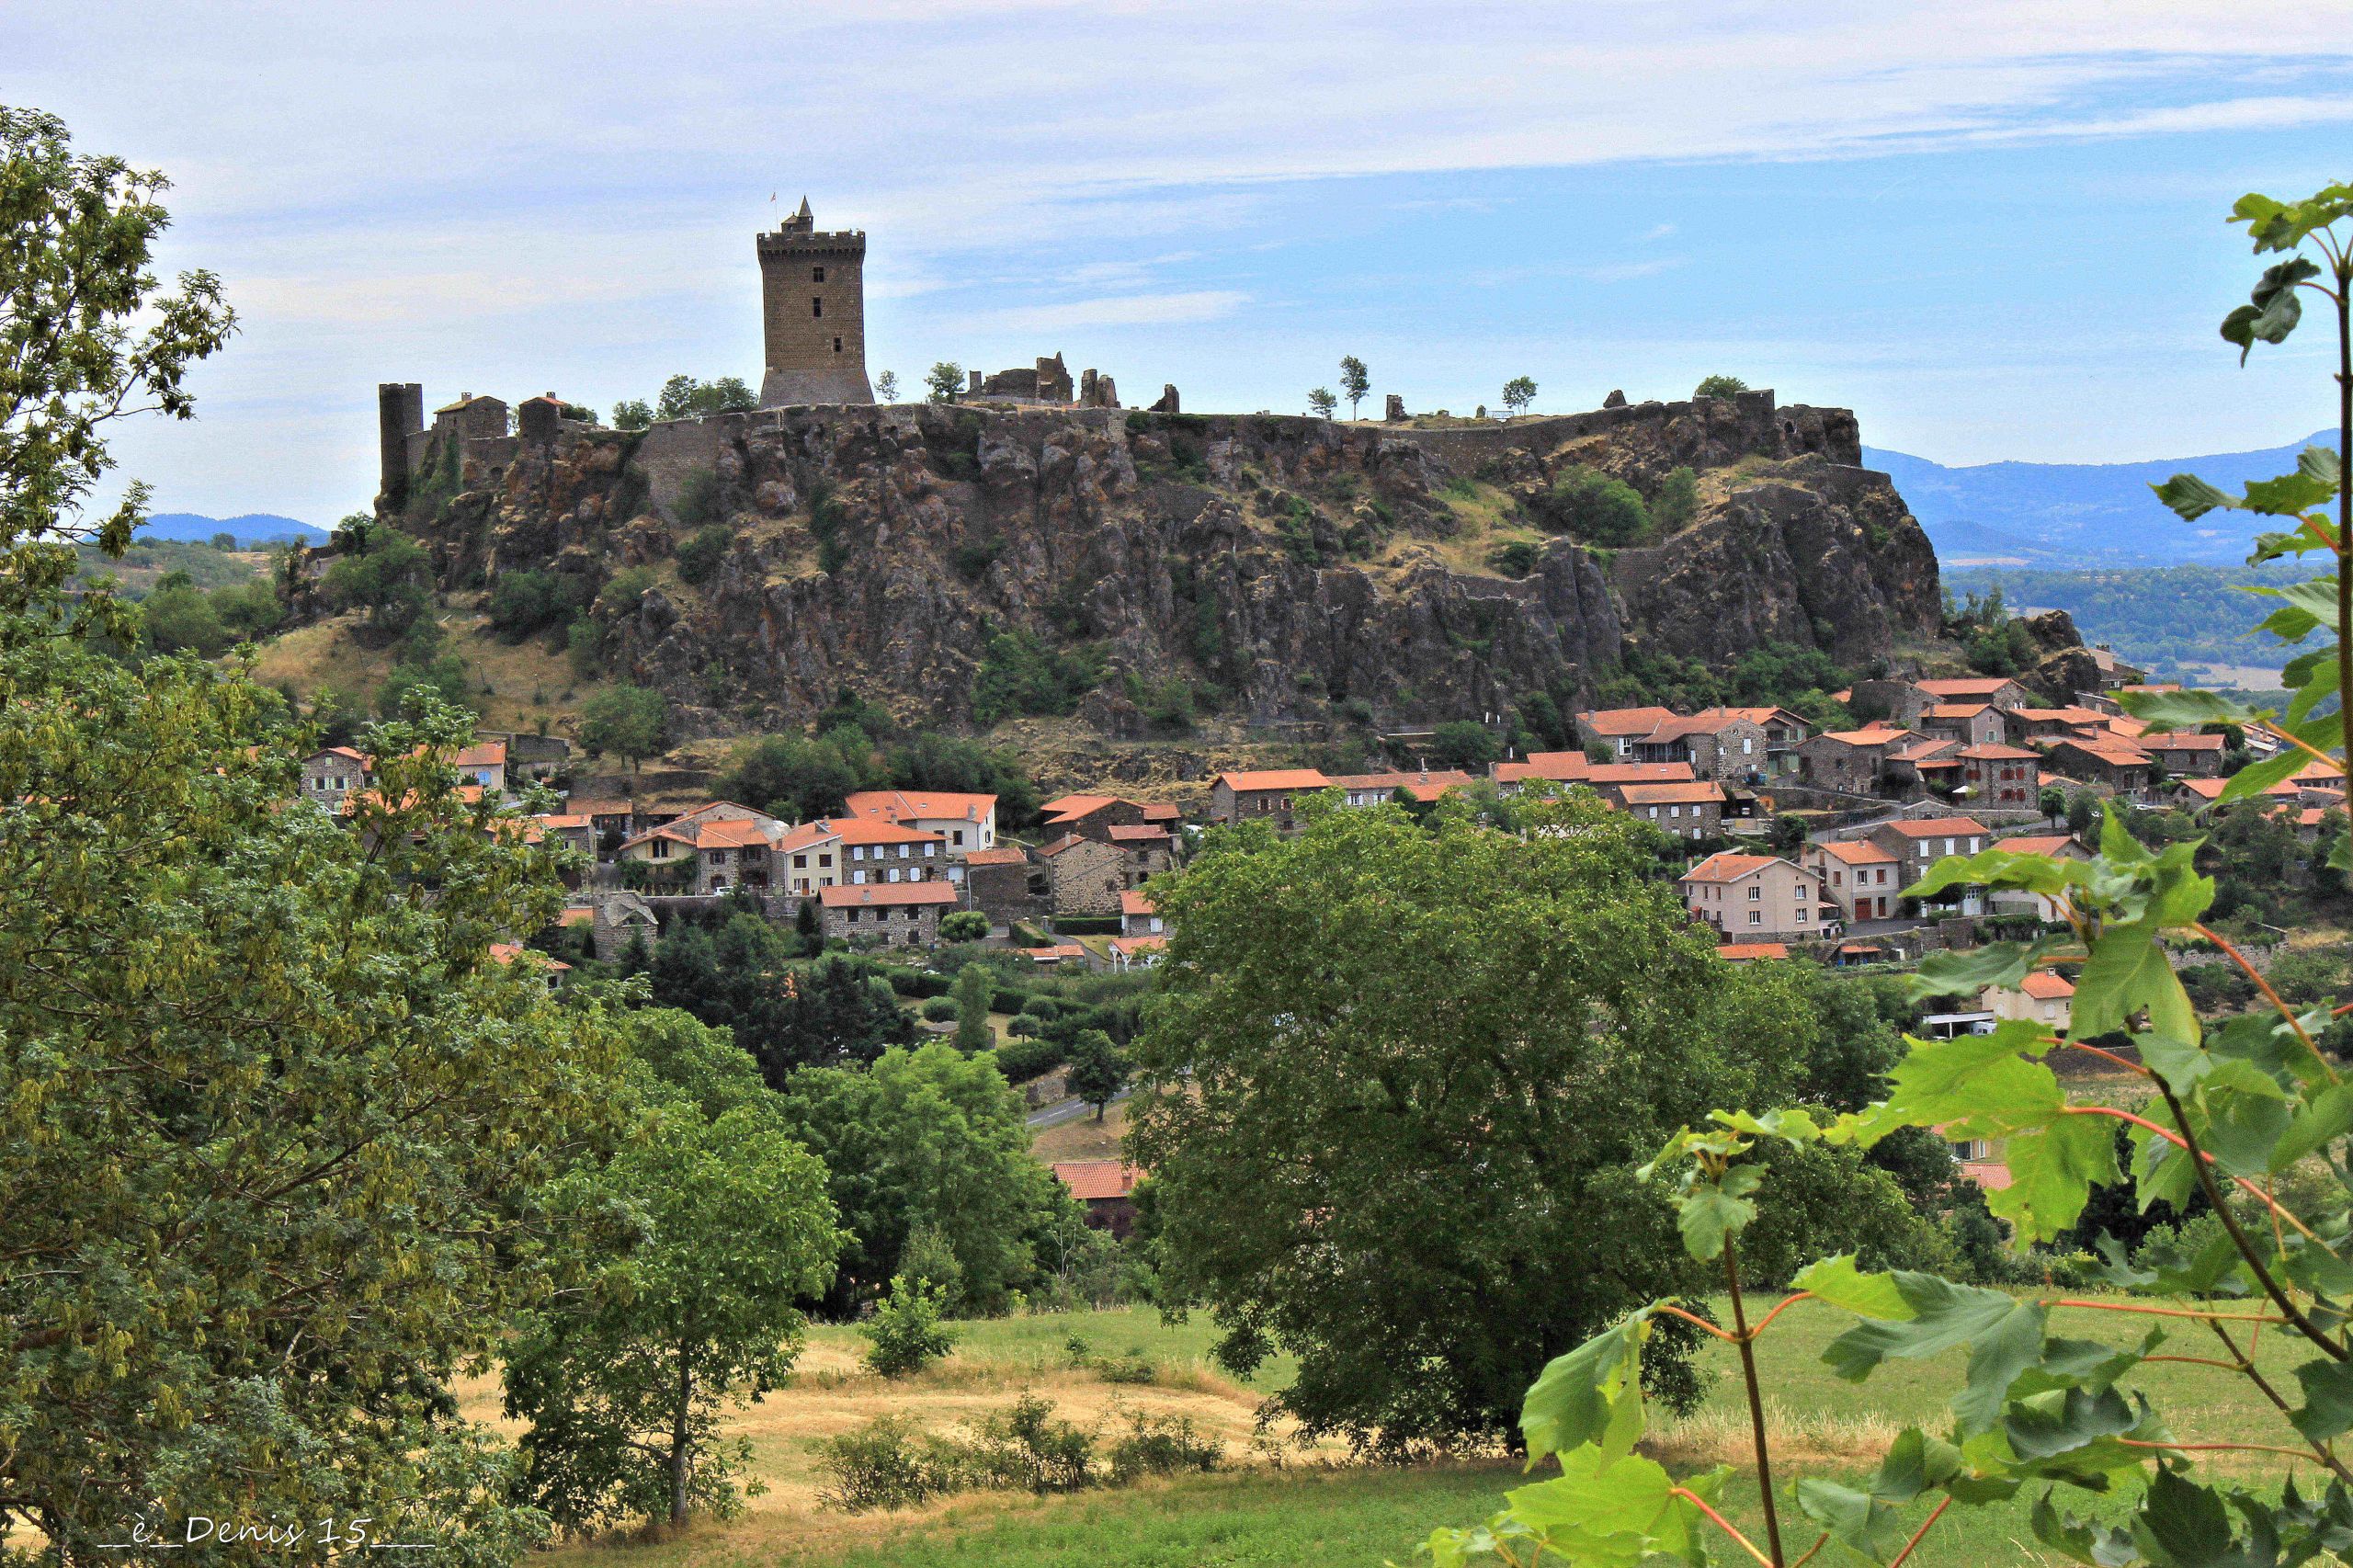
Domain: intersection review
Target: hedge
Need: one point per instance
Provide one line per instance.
(1088, 924)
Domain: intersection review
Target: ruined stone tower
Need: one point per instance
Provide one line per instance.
(812, 313)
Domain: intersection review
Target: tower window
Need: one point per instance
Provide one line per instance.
(838, 344)
(817, 307)
(817, 274)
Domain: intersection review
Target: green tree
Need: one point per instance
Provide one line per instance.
(632, 414)
(225, 541)
(1321, 403)
(1465, 744)
(1593, 508)
(90, 339)
(973, 991)
(1354, 381)
(2051, 798)
(905, 1334)
(944, 382)
(795, 778)
(1099, 1070)
(964, 925)
(2082, 810)
(1719, 386)
(684, 397)
(631, 722)
(1518, 393)
(389, 575)
(886, 386)
(728, 1225)
(1678, 500)
(926, 1135)
(1382, 1091)
(279, 1116)
(178, 616)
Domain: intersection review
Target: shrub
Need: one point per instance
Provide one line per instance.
(1519, 559)
(1134, 1366)
(963, 925)
(1678, 499)
(883, 1464)
(697, 498)
(1087, 925)
(525, 602)
(1593, 508)
(1022, 1060)
(905, 1332)
(699, 558)
(1719, 386)
(1020, 674)
(936, 1010)
(1027, 1447)
(1161, 1446)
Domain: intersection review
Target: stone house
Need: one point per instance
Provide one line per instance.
(1922, 765)
(617, 919)
(1750, 898)
(1003, 885)
(1999, 690)
(1920, 843)
(1106, 1188)
(1718, 743)
(1380, 789)
(332, 775)
(1270, 795)
(2001, 776)
(894, 914)
(1147, 849)
(1861, 878)
(1094, 816)
(482, 764)
(1850, 760)
(1694, 811)
(1620, 729)
(711, 849)
(1084, 876)
(2028, 724)
(2121, 766)
(2185, 756)
(1971, 723)
(610, 822)
(2195, 795)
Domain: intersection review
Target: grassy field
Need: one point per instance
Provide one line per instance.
(1315, 1505)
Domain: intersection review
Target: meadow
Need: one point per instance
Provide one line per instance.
(1278, 1502)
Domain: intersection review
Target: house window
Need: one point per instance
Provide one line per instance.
(1756, 892)
(1971, 1150)
(817, 307)
(1802, 915)
(1757, 917)
(800, 862)
(824, 860)
(816, 274)
(929, 850)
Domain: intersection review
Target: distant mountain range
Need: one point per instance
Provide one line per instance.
(251, 528)
(2079, 515)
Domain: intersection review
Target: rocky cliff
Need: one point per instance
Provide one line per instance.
(1281, 565)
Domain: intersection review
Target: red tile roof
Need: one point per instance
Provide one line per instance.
(1989, 753)
(1135, 903)
(2045, 986)
(1727, 866)
(1855, 852)
(484, 754)
(1741, 952)
(1626, 721)
(1937, 827)
(1275, 778)
(2038, 844)
(896, 805)
(1972, 687)
(1699, 791)
(1096, 1178)
(1128, 947)
(1067, 808)
(1137, 832)
(1002, 856)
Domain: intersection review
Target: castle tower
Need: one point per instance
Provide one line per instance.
(812, 313)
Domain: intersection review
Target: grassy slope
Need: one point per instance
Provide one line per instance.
(1317, 1508)
(526, 682)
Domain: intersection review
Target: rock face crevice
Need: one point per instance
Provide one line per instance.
(1291, 564)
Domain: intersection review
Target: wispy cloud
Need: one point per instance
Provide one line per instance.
(1118, 310)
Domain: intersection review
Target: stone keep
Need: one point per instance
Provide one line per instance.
(812, 313)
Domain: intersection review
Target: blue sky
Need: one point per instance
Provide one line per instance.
(1992, 229)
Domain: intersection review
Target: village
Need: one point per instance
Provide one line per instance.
(1785, 840)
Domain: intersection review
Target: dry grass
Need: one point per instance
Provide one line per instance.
(526, 682)
(1721, 1435)
(1086, 1139)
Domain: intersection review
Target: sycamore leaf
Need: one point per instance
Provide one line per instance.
(1915, 1462)
(2329, 1399)
(2082, 1540)
(1981, 1079)
(2052, 1170)
(2290, 494)
(2191, 497)
(1711, 1212)
(2257, 776)
(2163, 711)
(1953, 972)
(1856, 1519)
(1838, 1282)
(1794, 1125)
(2063, 1420)
(2127, 973)
(2321, 463)
(2004, 1337)
(1593, 1394)
(2274, 311)
(2283, 226)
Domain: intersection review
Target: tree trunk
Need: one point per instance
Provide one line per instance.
(678, 1438)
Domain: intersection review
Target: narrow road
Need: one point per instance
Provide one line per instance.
(1065, 1110)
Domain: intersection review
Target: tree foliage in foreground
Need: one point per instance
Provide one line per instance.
(2252, 1115)
(1396, 1071)
(719, 1224)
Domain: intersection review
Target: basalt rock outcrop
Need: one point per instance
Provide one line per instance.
(1291, 564)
